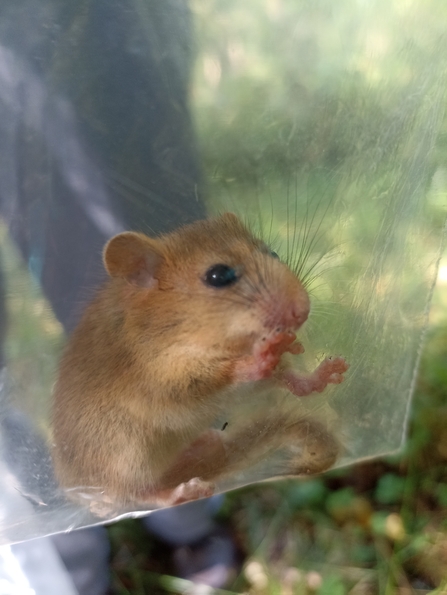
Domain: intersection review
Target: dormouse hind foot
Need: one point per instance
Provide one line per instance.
(315, 449)
(193, 489)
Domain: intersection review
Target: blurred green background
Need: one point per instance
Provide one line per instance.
(322, 124)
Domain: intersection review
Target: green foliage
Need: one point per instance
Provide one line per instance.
(333, 585)
(440, 492)
(299, 85)
(340, 499)
(307, 494)
(390, 489)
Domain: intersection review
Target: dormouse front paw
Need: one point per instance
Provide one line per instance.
(266, 356)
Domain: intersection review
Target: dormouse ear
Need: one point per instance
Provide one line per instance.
(134, 257)
(231, 218)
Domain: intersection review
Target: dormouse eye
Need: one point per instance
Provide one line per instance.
(220, 275)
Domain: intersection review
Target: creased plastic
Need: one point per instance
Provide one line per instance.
(321, 126)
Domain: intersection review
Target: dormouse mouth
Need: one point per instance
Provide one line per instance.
(282, 340)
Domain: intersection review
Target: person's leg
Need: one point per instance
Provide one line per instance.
(186, 524)
(85, 554)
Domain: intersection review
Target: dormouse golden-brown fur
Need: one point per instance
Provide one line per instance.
(184, 321)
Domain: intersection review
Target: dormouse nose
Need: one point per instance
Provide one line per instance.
(299, 308)
(299, 314)
(295, 314)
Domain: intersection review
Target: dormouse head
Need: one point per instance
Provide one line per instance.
(214, 270)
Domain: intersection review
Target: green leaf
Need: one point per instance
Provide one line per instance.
(390, 489)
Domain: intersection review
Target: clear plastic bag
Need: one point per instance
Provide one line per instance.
(320, 126)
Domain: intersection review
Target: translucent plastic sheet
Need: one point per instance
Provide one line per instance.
(320, 124)
(33, 568)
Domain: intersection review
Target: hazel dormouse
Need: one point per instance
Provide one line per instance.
(183, 323)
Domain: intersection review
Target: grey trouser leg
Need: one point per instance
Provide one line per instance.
(85, 554)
